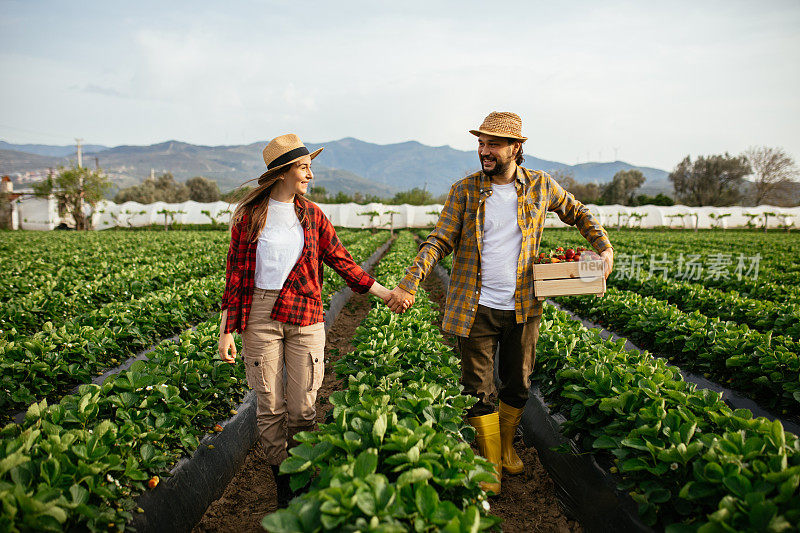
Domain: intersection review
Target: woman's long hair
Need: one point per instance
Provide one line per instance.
(254, 207)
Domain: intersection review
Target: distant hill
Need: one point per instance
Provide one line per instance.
(411, 164)
(12, 162)
(348, 165)
(53, 151)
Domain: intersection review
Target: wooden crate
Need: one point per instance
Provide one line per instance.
(568, 278)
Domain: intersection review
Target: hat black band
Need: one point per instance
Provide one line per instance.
(288, 156)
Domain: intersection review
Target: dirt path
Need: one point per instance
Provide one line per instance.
(250, 495)
(527, 502)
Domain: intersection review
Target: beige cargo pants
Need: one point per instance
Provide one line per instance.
(285, 365)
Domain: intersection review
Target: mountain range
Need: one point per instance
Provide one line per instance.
(349, 165)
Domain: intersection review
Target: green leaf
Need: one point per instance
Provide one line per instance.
(695, 490)
(713, 472)
(789, 486)
(12, 461)
(737, 484)
(415, 475)
(300, 480)
(761, 514)
(379, 427)
(605, 442)
(633, 465)
(778, 435)
(79, 495)
(309, 515)
(681, 528)
(366, 463)
(687, 431)
(294, 464)
(427, 500)
(281, 521)
(147, 452)
(659, 496)
(365, 501)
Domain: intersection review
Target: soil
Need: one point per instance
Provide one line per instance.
(528, 500)
(250, 495)
(527, 503)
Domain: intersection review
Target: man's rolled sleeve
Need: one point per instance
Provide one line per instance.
(574, 213)
(440, 242)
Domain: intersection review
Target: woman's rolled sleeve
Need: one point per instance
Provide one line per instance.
(338, 258)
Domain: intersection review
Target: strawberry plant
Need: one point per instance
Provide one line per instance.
(690, 462)
(393, 454)
(757, 364)
(78, 462)
(56, 359)
(96, 269)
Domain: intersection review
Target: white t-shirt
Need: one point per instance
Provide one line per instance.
(502, 242)
(279, 245)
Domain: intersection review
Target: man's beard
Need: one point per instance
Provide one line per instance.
(499, 167)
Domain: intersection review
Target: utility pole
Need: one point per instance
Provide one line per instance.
(97, 163)
(79, 224)
(80, 152)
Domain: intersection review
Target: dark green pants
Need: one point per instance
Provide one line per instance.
(515, 359)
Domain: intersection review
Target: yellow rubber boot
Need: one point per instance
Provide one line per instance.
(488, 437)
(509, 420)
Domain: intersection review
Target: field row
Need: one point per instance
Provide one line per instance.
(81, 462)
(687, 459)
(683, 455)
(54, 360)
(394, 455)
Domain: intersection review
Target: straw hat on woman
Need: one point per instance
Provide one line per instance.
(279, 241)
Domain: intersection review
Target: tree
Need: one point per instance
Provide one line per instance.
(659, 199)
(587, 193)
(76, 187)
(415, 196)
(773, 171)
(202, 189)
(714, 180)
(237, 194)
(318, 194)
(162, 189)
(170, 190)
(341, 198)
(144, 193)
(622, 186)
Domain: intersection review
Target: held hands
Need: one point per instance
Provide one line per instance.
(396, 301)
(226, 343)
(400, 300)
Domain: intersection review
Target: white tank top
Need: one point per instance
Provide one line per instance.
(279, 245)
(502, 242)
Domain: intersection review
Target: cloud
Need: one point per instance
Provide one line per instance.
(96, 89)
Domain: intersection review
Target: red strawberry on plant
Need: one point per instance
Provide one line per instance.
(570, 253)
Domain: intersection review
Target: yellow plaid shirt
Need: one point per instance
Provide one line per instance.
(460, 228)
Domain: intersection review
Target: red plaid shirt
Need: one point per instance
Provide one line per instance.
(300, 299)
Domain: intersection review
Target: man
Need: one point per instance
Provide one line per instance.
(493, 221)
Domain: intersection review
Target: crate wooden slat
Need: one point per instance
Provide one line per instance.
(568, 278)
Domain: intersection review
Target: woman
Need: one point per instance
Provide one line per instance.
(279, 241)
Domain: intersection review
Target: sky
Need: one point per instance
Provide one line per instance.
(641, 82)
